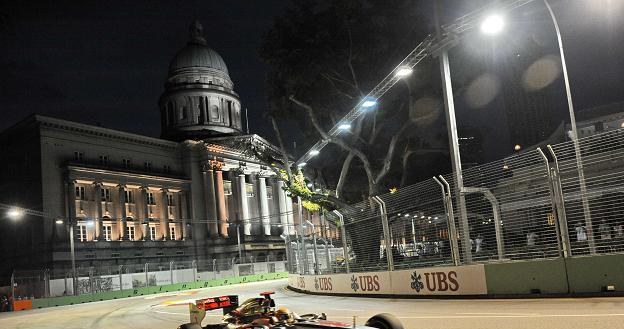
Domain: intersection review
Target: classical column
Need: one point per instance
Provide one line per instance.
(71, 202)
(289, 215)
(164, 218)
(182, 213)
(97, 191)
(244, 211)
(283, 212)
(122, 212)
(264, 205)
(210, 201)
(221, 209)
(145, 219)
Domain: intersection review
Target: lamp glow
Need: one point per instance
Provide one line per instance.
(314, 152)
(369, 103)
(344, 126)
(302, 164)
(404, 71)
(492, 24)
(15, 213)
(59, 221)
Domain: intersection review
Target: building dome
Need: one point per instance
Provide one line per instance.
(197, 55)
(199, 99)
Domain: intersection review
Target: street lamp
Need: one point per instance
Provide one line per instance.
(72, 251)
(492, 24)
(15, 213)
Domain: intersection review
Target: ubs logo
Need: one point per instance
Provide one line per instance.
(301, 282)
(365, 283)
(323, 284)
(435, 281)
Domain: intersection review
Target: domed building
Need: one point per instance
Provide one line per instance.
(203, 196)
(199, 99)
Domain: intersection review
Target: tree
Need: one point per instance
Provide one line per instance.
(324, 56)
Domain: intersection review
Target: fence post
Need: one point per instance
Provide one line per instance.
(171, 271)
(303, 250)
(214, 268)
(500, 242)
(448, 207)
(343, 236)
(194, 266)
(553, 200)
(146, 274)
(287, 251)
(315, 250)
(560, 204)
(327, 258)
(120, 277)
(386, 232)
(46, 278)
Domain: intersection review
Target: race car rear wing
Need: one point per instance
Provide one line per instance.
(198, 310)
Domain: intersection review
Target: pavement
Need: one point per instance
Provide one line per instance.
(171, 309)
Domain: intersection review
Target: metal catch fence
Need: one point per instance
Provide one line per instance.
(564, 200)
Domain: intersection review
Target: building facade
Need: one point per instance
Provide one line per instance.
(205, 191)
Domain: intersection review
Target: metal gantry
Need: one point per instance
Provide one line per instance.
(430, 46)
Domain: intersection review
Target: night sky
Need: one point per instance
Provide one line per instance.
(105, 62)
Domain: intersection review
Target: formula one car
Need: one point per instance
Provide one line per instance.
(261, 313)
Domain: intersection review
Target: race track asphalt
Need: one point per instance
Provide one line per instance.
(168, 310)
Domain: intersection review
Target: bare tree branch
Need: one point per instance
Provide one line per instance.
(392, 146)
(351, 149)
(344, 171)
(278, 135)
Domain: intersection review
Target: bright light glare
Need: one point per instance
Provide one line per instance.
(369, 103)
(344, 126)
(492, 24)
(314, 152)
(404, 71)
(15, 213)
(302, 164)
(517, 147)
(90, 223)
(59, 221)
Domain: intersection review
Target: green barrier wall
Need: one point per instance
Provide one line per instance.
(591, 274)
(521, 278)
(71, 300)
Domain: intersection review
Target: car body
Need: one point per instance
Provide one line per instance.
(262, 313)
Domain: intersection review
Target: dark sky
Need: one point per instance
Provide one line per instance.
(106, 61)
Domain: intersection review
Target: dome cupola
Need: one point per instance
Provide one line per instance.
(199, 99)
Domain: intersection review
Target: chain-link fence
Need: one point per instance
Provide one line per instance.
(38, 284)
(560, 201)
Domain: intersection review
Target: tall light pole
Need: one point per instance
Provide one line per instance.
(577, 148)
(451, 125)
(16, 213)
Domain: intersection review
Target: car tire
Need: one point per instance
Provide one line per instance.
(384, 321)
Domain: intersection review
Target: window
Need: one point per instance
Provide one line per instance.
(82, 232)
(108, 232)
(227, 187)
(80, 193)
(172, 232)
(129, 197)
(115, 255)
(183, 112)
(250, 190)
(170, 200)
(104, 160)
(269, 190)
(152, 233)
(126, 163)
(167, 169)
(147, 165)
(160, 253)
(130, 232)
(105, 194)
(89, 256)
(78, 156)
(179, 252)
(150, 198)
